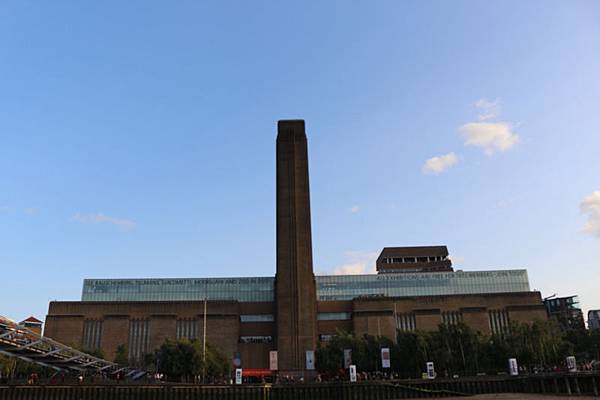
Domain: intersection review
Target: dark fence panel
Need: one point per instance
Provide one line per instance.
(574, 384)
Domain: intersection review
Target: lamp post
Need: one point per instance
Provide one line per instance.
(204, 343)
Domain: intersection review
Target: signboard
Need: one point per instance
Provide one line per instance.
(238, 376)
(513, 367)
(352, 373)
(273, 360)
(310, 359)
(237, 359)
(430, 370)
(385, 357)
(571, 364)
(347, 358)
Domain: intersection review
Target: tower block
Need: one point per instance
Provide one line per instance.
(295, 280)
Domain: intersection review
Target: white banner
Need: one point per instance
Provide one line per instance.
(273, 360)
(310, 359)
(385, 357)
(571, 364)
(513, 367)
(238, 376)
(347, 358)
(352, 373)
(430, 370)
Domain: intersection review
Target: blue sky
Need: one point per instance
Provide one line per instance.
(137, 139)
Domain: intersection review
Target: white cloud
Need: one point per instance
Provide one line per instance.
(490, 136)
(103, 219)
(354, 209)
(488, 109)
(357, 262)
(438, 164)
(456, 259)
(591, 206)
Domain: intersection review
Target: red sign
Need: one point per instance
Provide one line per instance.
(257, 372)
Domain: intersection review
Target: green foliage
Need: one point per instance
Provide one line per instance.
(96, 352)
(16, 368)
(182, 360)
(458, 349)
(121, 355)
(366, 353)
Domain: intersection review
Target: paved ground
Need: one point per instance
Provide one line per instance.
(517, 396)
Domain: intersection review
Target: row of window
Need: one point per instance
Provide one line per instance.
(334, 316)
(92, 333)
(188, 328)
(498, 319)
(257, 318)
(329, 287)
(499, 322)
(139, 339)
(398, 260)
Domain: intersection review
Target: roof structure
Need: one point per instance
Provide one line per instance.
(414, 259)
(31, 320)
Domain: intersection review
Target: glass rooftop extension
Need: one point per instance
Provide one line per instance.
(329, 287)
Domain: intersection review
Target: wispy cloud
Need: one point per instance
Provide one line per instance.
(103, 219)
(354, 209)
(488, 109)
(490, 136)
(456, 259)
(357, 262)
(590, 206)
(31, 210)
(439, 164)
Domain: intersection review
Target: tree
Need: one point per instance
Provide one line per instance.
(182, 360)
(121, 357)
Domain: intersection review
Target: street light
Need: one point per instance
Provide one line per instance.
(204, 343)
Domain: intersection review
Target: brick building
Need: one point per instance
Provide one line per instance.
(415, 288)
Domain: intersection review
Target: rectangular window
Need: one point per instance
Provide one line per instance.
(397, 260)
(326, 338)
(451, 317)
(138, 339)
(499, 322)
(187, 328)
(421, 259)
(409, 259)
(257, 318)
(92, 334)
(406, 322)
(334, 316)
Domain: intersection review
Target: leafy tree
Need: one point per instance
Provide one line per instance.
(95, 352)
(182, 360)
(121, 357)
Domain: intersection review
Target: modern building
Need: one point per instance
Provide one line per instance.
(415, 288)
(566, 311)
(594, 319)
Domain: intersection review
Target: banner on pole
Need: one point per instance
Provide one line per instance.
(385, 357)
(347, 358)
(273, 360)
(237, 359)
(513, 367)
(430, 370)
(352, 373)
(310, 359)
(571, 364)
